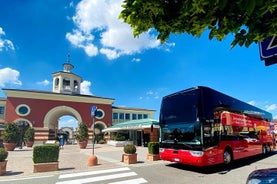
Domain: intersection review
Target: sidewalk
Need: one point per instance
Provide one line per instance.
(71, 159)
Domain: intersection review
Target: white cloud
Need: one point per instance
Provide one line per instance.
(271, 107)
(5, 43)
(116, 38)
(9, 76)
(85, 88)
(136, 60)
(44, 83)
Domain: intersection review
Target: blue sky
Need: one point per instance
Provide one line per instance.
(36, 37)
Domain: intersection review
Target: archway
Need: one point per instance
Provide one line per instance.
(99, 126)
(51, 119)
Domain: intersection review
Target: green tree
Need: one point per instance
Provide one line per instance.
(248, 20)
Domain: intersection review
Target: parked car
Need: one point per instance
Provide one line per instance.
(262, 176)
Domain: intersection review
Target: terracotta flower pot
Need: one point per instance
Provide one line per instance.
(129, 158)
(29, 143)
(46, 167)
(153, 157)
(9, 146)
(83, 144)
(3, 166)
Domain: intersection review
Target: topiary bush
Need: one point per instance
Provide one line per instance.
(29, 135)
(3, 154)
(11, 133)
(153, 147)
(119, 137)
(82, 132)
(46, 153)
(129, 149)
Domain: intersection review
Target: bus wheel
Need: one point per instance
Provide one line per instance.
(227, 157)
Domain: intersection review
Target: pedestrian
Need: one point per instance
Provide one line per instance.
(61, 140)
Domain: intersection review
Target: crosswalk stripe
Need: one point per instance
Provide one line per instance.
(93, 172)
(132, 181)
(98, 178)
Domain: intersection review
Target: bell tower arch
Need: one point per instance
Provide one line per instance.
(65, 81)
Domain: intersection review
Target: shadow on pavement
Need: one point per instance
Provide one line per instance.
(220, 168)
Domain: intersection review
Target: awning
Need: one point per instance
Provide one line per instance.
(133, 125)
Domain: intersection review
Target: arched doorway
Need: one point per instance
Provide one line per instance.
(99, 126)
(23, 125)
(52, 118)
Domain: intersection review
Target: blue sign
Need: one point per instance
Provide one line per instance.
(268, 48)
(93, 110)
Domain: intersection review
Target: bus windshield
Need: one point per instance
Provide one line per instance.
(178, 120)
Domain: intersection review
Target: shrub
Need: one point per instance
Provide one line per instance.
(3, 154)
(153, 147)
(119, 137)
(46, 153)
(29, 134)
(82, 132)
(11, 133)
(130, 149)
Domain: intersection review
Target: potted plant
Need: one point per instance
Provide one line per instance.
(45, 157)
(29, 137)
(10, 136)
(130, 155)
(153, 151)
(82, 135)
(3, 161)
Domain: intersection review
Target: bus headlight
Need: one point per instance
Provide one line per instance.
(161, 150)
(197, 153)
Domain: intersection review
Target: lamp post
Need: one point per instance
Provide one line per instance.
(92, 160)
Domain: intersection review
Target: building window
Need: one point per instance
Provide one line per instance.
(121, 116)
(100, 114)
(2, 112)
(127, 116)
(23, 110)
(145, 116)
(134, 116)
(115, 115)
(139, 116)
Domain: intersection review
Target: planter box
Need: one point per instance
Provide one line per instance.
(153, 157)
(118, 143)
(9, 146)
(129, 158)
(46, 167)
(3, 166)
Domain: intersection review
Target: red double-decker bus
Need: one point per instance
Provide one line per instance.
(201, 126)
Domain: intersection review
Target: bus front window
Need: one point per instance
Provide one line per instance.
(183, 133)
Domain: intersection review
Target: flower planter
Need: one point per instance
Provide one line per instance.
(9, 146)
(129, 158)
(83, 144)
(153, 157)
(3, 166)
(29, 143)
(46, 167)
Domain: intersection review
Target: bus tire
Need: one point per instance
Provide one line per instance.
(227, 157)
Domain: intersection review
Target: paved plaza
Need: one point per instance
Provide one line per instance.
(71, 159)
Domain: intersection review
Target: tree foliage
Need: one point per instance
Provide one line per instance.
(248, 20)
